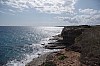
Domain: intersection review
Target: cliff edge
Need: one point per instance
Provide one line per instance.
(80, 47)
(86, 41)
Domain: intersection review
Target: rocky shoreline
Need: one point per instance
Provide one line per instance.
(75, 48)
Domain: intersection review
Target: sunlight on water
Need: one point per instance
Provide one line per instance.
(27, 43)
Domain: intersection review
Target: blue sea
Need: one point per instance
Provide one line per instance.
(20, 44)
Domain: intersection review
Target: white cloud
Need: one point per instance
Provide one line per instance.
(67, 7)
(11, 10)
(45, 6)
(89, 11)
(6, 13)
(83, 16)
(2, 12)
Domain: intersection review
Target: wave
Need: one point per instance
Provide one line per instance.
(37, 49)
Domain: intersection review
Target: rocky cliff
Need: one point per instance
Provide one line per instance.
(69, 33)
(85, 40)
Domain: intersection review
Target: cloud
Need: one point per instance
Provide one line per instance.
(83, 16)
(2, 12)
(11, 10)
(89, 11)
(45, 6)
(6, 13)
(65, 9)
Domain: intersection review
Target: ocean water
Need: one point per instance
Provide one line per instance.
(20, 44)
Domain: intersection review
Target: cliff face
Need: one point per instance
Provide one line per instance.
(70, 33)
(85, 39)
(89, 41)
(82, 47)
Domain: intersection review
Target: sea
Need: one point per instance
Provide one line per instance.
(20, 44)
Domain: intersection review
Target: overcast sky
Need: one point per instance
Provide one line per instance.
(49, 12)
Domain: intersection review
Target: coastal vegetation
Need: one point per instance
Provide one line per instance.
(62, 57)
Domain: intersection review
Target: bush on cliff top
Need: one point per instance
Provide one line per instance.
(62, 57)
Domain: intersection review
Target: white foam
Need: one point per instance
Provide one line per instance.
(29, 57)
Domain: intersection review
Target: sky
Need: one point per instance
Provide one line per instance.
(49, 12)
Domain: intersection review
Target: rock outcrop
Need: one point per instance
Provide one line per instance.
(67, 37)
(70, 33)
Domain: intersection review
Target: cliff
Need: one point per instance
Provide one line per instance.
(80, 47)
(85, 40)
(69, 34)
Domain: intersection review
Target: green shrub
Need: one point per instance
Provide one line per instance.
(62, 57)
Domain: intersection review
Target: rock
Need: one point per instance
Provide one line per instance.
(43, 44)
(53, 46)
(54, 43)
(69, 34)
(39, 54)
